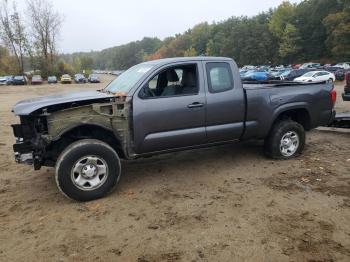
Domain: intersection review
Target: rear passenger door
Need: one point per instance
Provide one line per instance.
(225, 102)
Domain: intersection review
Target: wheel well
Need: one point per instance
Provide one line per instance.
(84, 132)
(300, 116)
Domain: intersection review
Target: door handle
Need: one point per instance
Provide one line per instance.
(195, 104)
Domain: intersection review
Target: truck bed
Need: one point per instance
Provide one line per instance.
(267, 98)
(275, 84)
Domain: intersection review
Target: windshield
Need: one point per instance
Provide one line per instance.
(128, 79)
(309, 74)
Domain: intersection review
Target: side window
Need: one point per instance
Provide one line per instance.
(173, 81)
(219, 77)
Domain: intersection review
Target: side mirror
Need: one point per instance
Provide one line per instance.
(144, 92)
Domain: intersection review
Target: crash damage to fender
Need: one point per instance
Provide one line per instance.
(46, 120)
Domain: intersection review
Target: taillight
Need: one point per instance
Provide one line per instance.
(333, 96)
(347, 76)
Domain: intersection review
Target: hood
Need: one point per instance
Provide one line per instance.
(28, 106)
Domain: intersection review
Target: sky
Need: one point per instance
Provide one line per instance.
(99, 24)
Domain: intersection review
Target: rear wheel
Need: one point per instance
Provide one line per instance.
(286, 140)
(330, 80)
(87, 169)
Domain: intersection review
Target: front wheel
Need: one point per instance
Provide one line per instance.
(87, 169)
(286, 140)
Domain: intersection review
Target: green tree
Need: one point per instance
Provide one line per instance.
(12, 33)
(86, 62)
(200, 36)
(309, 16)
(190, 52)
(289, 45)
(338, 29)
(5, 61)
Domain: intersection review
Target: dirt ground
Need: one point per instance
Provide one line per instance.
(219, 204)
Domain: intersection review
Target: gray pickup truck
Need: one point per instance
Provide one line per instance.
(159, 107)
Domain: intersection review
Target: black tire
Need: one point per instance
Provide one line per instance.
(79, 150)
(273, 142)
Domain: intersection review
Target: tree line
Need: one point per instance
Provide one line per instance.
(313, 30)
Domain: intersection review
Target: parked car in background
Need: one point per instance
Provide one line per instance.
(93, 78)
(277, 75)
(316, 76)
(66, 79)
(37, 80)
(6, 80)
(52, 80)
(80, 79)
(344, 65)
(248, 67)
(296, 66)
(20, 80)
(333, 69)
(292, 74)
(310, 65)
(346, 94)
(256, 76)
(9, 80)
(340, 74)
(3, 81)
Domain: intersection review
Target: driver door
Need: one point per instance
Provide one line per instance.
(169, 110)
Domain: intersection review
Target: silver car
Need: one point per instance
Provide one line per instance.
(3, 80)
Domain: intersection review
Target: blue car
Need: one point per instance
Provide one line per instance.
(256, 76)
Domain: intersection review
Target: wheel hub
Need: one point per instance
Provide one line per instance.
(89, 171)
(289, 143)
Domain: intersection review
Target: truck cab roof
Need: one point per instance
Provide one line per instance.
(165, 61)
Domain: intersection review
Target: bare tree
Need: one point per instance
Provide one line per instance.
(45, 24)
(12, 32)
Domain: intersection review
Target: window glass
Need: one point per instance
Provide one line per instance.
(173, 81)
(219, 77)
(309, 74)
(129, 78)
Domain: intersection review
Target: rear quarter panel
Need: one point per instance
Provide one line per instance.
(264, 105)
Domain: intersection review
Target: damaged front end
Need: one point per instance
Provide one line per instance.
(42, 132)
(30, 144)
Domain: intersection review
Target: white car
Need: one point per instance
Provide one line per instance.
(3, 80)
(316, 76)
(310, 65)
(345, 65)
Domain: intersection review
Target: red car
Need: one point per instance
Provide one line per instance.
(37, 80)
